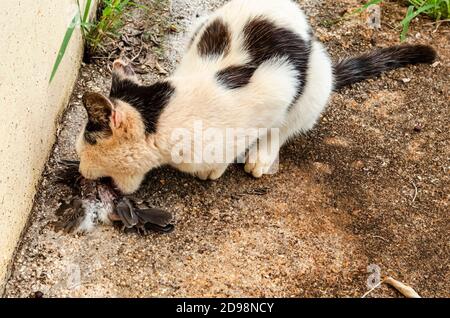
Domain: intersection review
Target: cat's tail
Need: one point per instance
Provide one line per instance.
(359, 68)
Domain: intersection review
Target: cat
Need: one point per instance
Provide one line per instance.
(250, 64)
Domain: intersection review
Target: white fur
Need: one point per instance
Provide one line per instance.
(265, 102)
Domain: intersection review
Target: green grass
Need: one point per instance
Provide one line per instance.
(108, 23)
(64, 45)
(436, 9)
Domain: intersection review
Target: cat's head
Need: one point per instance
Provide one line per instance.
(114, 142)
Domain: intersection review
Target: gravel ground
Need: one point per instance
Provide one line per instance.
(368, 186)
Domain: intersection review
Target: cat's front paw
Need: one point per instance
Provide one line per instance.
(213, 174)
(260, 164)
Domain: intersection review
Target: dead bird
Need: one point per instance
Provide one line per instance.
(96, 202)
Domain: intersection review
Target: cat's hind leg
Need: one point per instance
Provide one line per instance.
(302, 115)
(262, 157)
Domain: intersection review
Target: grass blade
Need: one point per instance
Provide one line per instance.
(64, 45)
(410, 15)
(86, 11)
(368, 4)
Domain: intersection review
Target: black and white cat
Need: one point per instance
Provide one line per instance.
(251, 64)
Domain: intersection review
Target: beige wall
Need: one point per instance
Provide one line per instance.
(30, 35)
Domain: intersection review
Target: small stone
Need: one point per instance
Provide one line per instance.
(38, 294)
(173, 28)
(358, 164)
(418, 128)
(406, 80)
(435, 64)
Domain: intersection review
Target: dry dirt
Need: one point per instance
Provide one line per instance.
(369, 185)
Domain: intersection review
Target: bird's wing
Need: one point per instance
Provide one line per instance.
(126, 213)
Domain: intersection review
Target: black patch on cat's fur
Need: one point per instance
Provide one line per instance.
(235, 76)
(148, 100)
(215, 39)
(264, 41)
(94, 130)
(356, 69)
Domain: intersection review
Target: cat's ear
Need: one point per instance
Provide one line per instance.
(101, 110)
(122, 70)
(97, 105)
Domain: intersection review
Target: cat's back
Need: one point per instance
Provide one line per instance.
(249, 57)
(223, 38)
(283, 13)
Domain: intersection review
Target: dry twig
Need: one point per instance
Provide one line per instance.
(405, 290)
